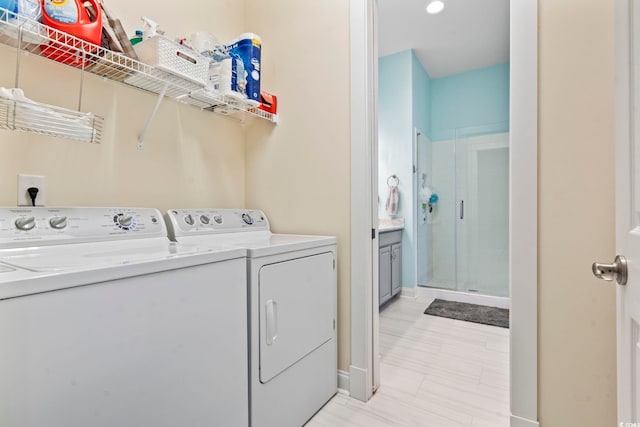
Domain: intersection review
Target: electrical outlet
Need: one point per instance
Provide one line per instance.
(27, 181)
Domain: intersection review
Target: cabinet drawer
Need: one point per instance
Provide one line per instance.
(390, 237)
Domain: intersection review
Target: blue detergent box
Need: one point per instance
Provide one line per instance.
(247, 47)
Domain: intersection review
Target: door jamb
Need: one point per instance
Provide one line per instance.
(523, 205)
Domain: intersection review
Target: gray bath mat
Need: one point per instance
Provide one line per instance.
(469, 312)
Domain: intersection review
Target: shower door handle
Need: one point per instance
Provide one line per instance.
(461, 209)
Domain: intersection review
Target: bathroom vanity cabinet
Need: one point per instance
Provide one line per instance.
(390, 267)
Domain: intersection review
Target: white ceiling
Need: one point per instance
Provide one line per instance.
(466, 35)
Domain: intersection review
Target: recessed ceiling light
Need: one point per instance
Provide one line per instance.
(435, 7)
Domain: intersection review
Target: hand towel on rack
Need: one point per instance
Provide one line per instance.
(392, 200)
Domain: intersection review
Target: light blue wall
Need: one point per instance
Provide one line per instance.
(394, 127)
(408, 100)
(473, 98)
(404, 92)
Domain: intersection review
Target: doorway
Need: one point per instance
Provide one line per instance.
(523, 179)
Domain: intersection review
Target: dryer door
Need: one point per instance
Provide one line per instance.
(297, 310)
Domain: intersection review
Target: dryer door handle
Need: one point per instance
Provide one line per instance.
(271, 307)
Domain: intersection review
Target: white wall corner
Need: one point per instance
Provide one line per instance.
(524, 214)
(343, 382)
(363, 188)
(521, 422)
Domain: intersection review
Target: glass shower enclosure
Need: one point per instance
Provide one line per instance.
(463, 211)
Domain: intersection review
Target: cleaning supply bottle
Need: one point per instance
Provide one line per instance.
(150, 27)
(232, 80)
(79, 18)
(25, 15)
(137, 38)
(11, 7)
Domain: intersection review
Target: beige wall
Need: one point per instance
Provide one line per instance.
(191, 158)
(299, 171)
(577, 353)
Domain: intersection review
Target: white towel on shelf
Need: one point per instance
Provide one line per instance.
(392, 200)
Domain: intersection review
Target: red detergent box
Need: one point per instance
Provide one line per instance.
(268, 102)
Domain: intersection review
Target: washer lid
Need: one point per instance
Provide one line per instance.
(31, 271)
(83, 256)
(8, 272)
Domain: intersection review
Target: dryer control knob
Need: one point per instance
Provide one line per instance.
(247, 218)
(58, 222)
(26, 223)
(125, 220)
(189, 219)
(218, 219)
(205, 219)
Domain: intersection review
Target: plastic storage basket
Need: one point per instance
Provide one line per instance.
(174, 58)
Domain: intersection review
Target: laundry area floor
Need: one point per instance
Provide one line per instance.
(435, 372)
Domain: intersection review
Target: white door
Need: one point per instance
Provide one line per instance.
(627, 209)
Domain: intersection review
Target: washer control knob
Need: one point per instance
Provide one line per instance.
(125, 220)
(205, 219)
(218, 219)
(247, 219)
(58, 222)
(189, 219)
(25, 223)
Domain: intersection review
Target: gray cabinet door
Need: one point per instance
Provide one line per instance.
(396, 269)
(385, 274)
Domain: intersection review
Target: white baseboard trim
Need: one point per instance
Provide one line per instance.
(358, 383)
(343, 382)
(522, 422)
(471, 298)
(408, 292)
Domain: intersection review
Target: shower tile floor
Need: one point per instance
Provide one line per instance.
(434, 372)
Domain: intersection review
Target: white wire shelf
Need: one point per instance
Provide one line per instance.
(31, 36)
(224, 104)
(50, 120)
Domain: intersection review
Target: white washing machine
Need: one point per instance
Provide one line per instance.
(292, 310)
(104, 322)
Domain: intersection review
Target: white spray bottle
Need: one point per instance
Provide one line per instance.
(150, 28)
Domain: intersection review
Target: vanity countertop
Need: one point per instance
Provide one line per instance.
(390, 224)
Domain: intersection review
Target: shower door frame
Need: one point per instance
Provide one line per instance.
(432, 289)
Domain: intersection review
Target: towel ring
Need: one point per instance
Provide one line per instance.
(391, 179)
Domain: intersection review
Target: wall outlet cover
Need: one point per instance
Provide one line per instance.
(27, 181)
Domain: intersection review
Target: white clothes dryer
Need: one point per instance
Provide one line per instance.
(104, 322)
(291, 283)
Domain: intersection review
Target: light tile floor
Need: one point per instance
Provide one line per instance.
(434, 372)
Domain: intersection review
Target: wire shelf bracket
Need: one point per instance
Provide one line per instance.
(156, 107)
